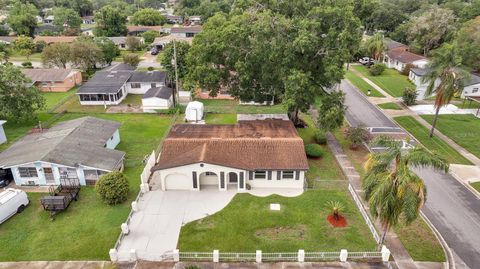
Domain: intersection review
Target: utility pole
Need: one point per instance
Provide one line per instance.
(176, 74)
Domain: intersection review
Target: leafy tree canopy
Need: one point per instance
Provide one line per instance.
(66, 18)
(57, 55)
(167, 59)
(18, 101)
(149, 17)
(468, 44)
(21, 18)
(110, 22)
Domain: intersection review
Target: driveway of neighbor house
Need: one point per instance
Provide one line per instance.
(155, 227)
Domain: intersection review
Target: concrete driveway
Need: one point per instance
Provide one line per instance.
(155, 227)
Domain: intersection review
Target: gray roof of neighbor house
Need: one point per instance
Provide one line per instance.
(163, 92)
(148, 76)
(70, 143)
(472, 80)
(392, 44)
(47, 74)
(419, 71)
(7, 39)
(188, 29)
(122, 67)
(105, 82)
(118, 39)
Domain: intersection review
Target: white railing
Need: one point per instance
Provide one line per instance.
(364, 213)
(364, 255)
(321, 256)
(274, 257)
(238, 257)
(196, 256)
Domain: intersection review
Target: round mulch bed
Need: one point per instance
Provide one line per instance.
(340, 222)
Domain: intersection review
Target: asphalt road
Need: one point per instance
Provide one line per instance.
(451, 207)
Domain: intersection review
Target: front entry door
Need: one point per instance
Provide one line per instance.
(47, 171)
(232, 178)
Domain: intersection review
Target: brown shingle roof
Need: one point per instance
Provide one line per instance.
(41, 74)
(55, 39)
(249, 145)
(134, 28)
(188, 29)
(404, 56)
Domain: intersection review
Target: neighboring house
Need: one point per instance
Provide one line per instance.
(7, 39)
(189, 31)
(471, 85)
(49, 19)
(3, 136)
(121, 41)
(39, 19)
(398, 56)
(88, 20)
(80, 149)
(157, 98)
(141, 81)
(174, 19)
(54, 80)
(195, 20)
(55, 39)
(111, 87)
(88, 31)
(259, 153)
(45, 28)
(160, 42)
(138, 29)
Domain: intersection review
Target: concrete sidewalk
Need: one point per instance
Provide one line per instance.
(277, 265)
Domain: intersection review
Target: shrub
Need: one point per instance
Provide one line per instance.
(112, 188)
(314, 150)
(406, 69)
(151, 68)
(356, 135)
(40, 45)
(377, 69)
(320, 137)
(409, 96)
(248, 186)
(131, 59)
(27, 65)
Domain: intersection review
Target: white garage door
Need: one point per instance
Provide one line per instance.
(178, 182)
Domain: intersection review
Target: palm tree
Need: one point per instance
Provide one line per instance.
(391, 188)
(375, 46)
(445, 78)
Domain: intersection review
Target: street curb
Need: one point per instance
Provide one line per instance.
(443, 243)
(468, 186)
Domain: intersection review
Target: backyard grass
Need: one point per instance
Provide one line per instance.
(16, 130)
(232, 107)
(89, 228)
(211, 118)
(476, 185)
(320, 169)
(54, 98)
(434, 144)
(463, 129)
(391, 105)
(390, 80)
(125, 52)
(247, 224)
(362, 85)
(16, 56)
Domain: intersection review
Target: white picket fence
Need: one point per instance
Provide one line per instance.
(364, 213)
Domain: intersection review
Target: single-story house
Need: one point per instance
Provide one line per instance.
(157, 98)
(258, 153)
(471, 85)
(174, 19)
(189, 31)
(392, 44)
(121, 41)
(55, 39)
(3, 136)
(195, 20)
(399, 57)
(87, 31)
(81, 149)
(54, 80)
(139, 29)
(160, 42)
(88, 20)
(141, 81)
(111, 87)
(7, 39)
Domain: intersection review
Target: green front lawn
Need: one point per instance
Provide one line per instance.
(232, 107)
(362, 85)
(54, 98)
(434, 144)
(125, 52)
(390, 80)
(247, 224)
(476, 185)
(89, 228)
(463, 129)
(391, 105)
(16, 56)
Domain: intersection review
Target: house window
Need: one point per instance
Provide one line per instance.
(260, 175)
(28, 172)
(475, 90)
(135, 85)
(91, 176)
(288, 174)
(153, 85)
(210, 174)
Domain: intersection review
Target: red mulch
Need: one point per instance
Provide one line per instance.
(341, 222)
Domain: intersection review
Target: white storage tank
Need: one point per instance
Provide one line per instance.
(194, 111)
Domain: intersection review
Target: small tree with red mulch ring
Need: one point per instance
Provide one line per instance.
(335, 219)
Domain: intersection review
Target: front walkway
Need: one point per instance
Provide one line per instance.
(155, 227)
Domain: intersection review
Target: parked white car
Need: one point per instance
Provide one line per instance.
(366, 61)
(12, 201)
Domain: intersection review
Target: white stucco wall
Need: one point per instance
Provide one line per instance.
(471, 90)
(144, 87)
(3, 137)
(99, 103)
(182, 172)
(113, 141)
(149, 105)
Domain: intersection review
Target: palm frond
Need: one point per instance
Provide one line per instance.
(421, 157)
